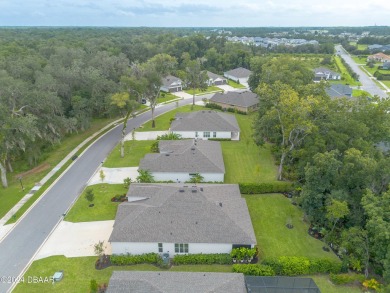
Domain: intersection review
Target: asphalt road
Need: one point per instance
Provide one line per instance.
(21, 244)
(367, 83)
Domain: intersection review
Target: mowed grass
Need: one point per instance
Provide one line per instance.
(360, 59)
(78, 273)
(11, 195)
(166, 97)
(163, 121)
(270, 213)
(135, 150)
(345, 76)
(359, 93)
(326, 286)
(244, 160)
(235, 84)
(103, 208)
(210, 89)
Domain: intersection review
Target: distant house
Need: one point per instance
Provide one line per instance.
(171, 84)
(170, 218)
(379, 57)
(206, 124)
(179, 159)
(215, 79)
(242, 101)
(339, 91)
(174, 282)
(323, 73)
(386, 65)
(240, 75)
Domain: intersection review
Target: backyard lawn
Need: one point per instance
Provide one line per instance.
(135, 150)
(270, 213)
(103, 208)
(244, 160)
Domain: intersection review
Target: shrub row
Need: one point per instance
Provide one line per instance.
(220, 139)
(196, 259)
(344, 279)
(381, 76)
(254, 270)
(243, 253)
(218, 107)
(256, 188)
(123, 260)
(294, 266)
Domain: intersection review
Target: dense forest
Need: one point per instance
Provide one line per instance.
(53, 81)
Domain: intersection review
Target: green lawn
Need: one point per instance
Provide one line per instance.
(360, 59)
(345, 76)
(326, 286)
(235, 84)
(209, 89)
(78, 273)
(135, 150)
(166, 97)
(163, 121)
(270, 213)
(359, 93)
(103, 210)
(244, 160)
(11, 195)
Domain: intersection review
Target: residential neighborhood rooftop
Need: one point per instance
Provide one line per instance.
(173, 282)
(213, 76)
(205, 120)
(171, 213)
(189, 155)
(339, 91)
(239, 72)
(242, 99)
(169, 80)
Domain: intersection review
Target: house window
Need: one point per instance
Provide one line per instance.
(206, 134)
(160, 247)
(214, 134)
(196, 134)
(181, 248)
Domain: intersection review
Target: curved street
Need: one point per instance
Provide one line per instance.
(22, 243)
(367, 83)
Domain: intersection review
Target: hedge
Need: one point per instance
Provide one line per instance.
(129, 259)
(256, 188)
(196, 259)
(254, 270)
(293, 265)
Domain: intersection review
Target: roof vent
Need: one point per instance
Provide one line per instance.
(181, 190)
(196, 222)
(194, 190)
(220, 204)
(192, 148)
(201, 188)
(167, 155)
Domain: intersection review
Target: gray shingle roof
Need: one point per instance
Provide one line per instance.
(167, 81)
(242, 99)
(214, 76)
(174, 282)
(216, 214)
(205, 120)
(339, 91)
(239, 72)
(189, 156)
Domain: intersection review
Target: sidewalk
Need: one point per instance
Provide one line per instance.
(4, 229)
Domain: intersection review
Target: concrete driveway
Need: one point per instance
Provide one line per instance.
(77, 239)
(114, 175)
(182, 95)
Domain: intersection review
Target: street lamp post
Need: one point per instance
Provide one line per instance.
(21, 183)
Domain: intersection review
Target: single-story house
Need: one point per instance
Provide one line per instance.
(386, 65)
(171, 84)
(206, 124)
(174, 282)
(178, 160)
(176, 219)
(242, 101)
(339, 91)
(379, 57)
(323, 73)
(240, 75)
(215, 79)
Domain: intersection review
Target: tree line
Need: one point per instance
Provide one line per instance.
(330, 149)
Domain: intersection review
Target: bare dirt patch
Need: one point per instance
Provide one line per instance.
(35, 170)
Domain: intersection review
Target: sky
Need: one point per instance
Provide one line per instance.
(194, 13)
